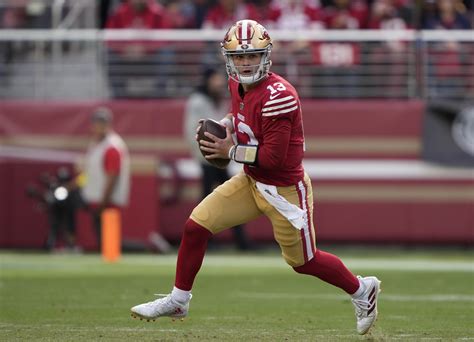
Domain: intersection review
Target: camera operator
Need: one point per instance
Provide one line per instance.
(60, 202)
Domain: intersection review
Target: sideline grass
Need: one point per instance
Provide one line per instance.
(237, 298)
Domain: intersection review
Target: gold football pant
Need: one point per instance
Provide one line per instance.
(238, 201)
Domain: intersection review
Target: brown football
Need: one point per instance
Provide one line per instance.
(219, 131)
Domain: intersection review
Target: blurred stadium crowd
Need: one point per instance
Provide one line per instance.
(279, 14)
(359, 66)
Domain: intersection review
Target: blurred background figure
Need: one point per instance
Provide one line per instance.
(30, 14)
(142, 65)
(447, 62)
(293, 15)
(226, 12)
(106, 178)
(208, 101)
(199, 8)
(19, 14)
(346, 14)
(62, 213)
(448, 15)
(387, 15)
(339, 62)
(182, 13)
(60, 201)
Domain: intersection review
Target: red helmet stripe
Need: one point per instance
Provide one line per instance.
(249, 31)
(240, 32)
(244, 32)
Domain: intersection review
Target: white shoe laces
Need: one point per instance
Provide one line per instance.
(361, 305)
(162, 294)
(165, 300)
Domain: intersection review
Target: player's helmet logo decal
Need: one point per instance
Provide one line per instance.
(265, 35)
(227, 37)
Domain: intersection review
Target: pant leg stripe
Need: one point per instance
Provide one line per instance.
(309, 220)
(305, 232)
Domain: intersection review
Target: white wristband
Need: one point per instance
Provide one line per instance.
(245, 154)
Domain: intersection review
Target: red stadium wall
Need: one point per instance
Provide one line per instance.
(24, 223)
(367, 210)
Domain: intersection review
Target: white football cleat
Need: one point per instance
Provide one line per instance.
(162, 307)
(366, 304)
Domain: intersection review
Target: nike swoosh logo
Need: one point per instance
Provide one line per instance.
(274, 96)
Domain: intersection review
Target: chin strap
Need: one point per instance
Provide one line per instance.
(245, 154)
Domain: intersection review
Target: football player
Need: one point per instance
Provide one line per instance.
(267, 120)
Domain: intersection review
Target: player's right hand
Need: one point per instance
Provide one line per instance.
(218, 148)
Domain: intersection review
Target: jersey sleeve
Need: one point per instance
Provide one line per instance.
(112, 161)
(276, 139)
(278, 113)
(283, 104)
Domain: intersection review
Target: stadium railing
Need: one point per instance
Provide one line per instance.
(97, 64)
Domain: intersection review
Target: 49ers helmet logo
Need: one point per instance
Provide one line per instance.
(227, 37)
(265, 36)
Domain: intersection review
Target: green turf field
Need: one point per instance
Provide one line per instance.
(425, 296)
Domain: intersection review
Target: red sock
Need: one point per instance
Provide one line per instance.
(330, 269)
(191, 254)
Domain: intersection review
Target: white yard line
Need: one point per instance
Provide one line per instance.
(384, 297)
(255, 261)
(415, 264)
(418, 264)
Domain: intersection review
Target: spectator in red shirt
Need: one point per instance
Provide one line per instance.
(447, 60)
(340, 60)
(137, 14)
(346, 14)
(385, 15)
(13, 16)
(294, 15)
(140, 14)
(226, 12)
(181, 13)
(221, 16)
(127, 59)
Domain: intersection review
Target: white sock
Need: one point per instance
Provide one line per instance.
(180, 296)
(360, 290)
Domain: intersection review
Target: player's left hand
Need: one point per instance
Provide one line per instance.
(219, 148)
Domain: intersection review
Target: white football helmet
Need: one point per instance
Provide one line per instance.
(247, 37)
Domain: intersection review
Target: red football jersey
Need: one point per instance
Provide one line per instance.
(269, 115)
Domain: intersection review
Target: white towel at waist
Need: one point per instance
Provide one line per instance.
(291, 212)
